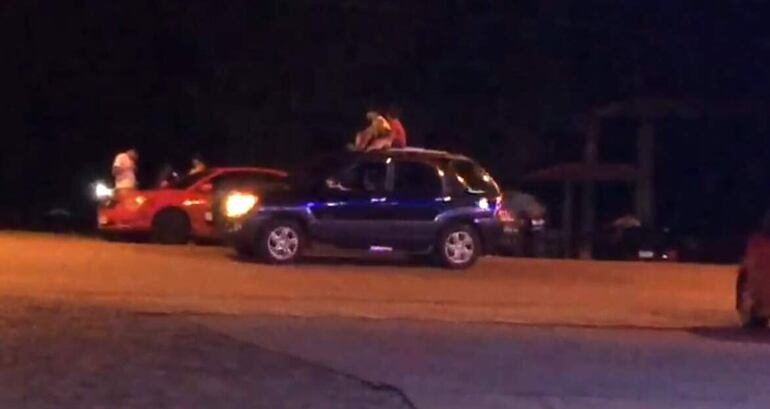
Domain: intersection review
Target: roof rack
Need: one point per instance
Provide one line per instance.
(418, 149)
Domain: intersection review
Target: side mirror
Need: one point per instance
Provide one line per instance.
(206, 188)
(332, 183)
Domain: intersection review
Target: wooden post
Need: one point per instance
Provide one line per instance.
(645, 192)
(590, 156)
(566, 219)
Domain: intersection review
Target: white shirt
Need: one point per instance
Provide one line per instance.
(124, 170)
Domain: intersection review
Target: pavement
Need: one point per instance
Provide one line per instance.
(92, 324)
(62, 356)
(441, 365)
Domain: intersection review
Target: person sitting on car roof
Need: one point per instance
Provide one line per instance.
(376, 136)
(398, 134)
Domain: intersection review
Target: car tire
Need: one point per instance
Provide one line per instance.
(458, 246)
(746, 306)
(244, 251)
(281, 242)
(171, 226)
(109, 236)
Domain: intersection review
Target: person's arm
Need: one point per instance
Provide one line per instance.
(383, 125)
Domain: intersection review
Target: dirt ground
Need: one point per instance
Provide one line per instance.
(209, 280)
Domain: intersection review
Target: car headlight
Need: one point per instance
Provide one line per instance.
(102, 191)
(238, 204)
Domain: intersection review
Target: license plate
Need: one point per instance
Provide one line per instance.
(645, 254)
(209, 216)
(102, 220)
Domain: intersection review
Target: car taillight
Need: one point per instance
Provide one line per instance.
(504, 215)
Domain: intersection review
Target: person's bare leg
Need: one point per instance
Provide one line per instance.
(360, 141)
(380, 144)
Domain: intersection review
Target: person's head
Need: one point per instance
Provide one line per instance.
(133, 154)
(372, 115)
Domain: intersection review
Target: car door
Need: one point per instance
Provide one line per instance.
(417, 198)
(349, 213)
(197, 203)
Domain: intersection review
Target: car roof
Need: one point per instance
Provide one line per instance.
(228, 169)
(417, 153)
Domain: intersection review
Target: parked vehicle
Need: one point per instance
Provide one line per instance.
(525, 225)
(752, 287)
(417, 201)
(637, 243)
(183, 209)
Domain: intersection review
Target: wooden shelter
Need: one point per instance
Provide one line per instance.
(646, 112)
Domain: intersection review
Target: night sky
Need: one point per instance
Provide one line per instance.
(271, 82)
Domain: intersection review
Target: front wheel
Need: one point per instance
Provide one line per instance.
(171, 227)
(458, 246)
(746, 305)
(281, 242)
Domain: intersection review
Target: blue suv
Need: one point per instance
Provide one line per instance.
(417, 201)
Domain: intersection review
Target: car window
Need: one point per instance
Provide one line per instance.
(314, 171)
(417, 179)
(474, 177)
(364, 177)
(188, 180)
(241, 180)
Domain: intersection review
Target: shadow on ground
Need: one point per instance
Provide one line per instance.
(734, 334)
(63, 356)
(357, 260)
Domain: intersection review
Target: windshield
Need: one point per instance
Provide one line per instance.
(316, 169)
(186, 181)
(474, 177)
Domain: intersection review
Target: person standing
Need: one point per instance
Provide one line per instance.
(198, 166)
(398, 133)
(124, 170)
(166, 176)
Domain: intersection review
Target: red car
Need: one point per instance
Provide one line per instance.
(183, 210)
(752, 289)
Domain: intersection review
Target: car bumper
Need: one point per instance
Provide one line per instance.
(240, 232)
(509, 234)
(492, 232)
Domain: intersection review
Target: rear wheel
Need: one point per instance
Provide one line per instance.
(171, 227)
(746, 305)
(109, 236)
(281, 242)
(458, 246)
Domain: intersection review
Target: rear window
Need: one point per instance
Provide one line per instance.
(474, 178)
